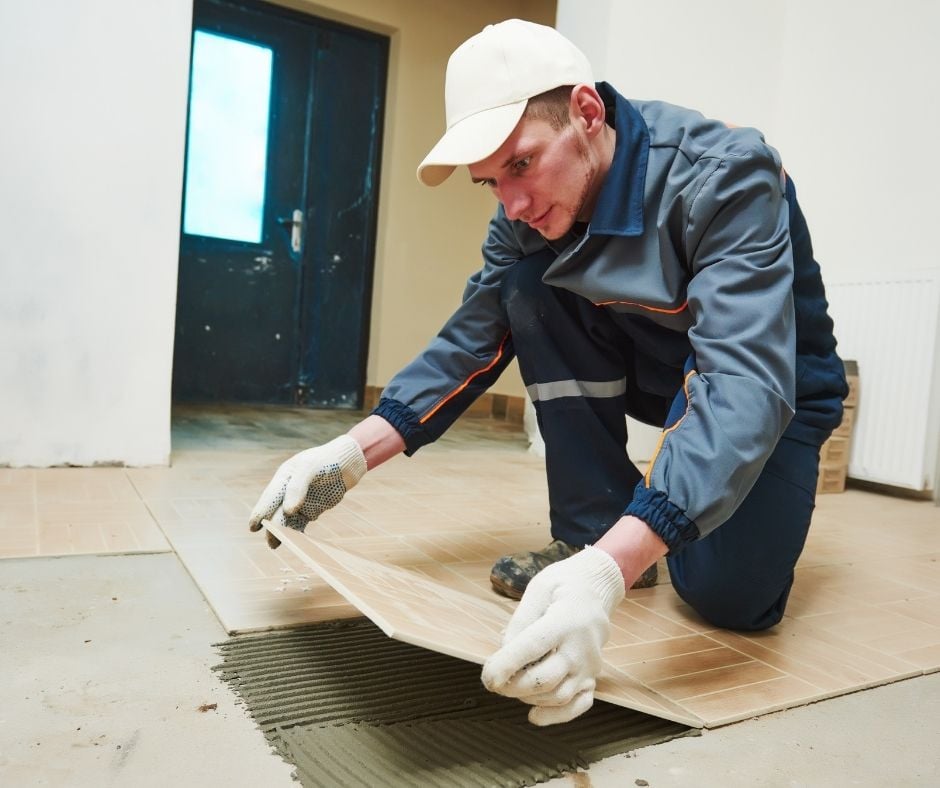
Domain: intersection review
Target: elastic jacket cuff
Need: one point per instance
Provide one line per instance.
(406, 421)
(667, 521)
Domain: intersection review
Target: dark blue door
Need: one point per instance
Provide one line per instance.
(279, 210)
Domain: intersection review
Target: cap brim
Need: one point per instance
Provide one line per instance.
(470, 140)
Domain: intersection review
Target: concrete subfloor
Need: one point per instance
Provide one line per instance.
(107, 682)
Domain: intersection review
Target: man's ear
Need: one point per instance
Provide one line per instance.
(587, 109)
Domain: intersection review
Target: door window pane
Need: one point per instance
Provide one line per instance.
(229, 104)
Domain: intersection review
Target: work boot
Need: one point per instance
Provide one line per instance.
(648, 578)
(511, 574)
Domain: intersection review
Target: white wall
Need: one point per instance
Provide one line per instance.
(857, 119)
(93, 107)
(846, 90)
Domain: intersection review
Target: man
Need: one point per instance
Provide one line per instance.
(642, 260)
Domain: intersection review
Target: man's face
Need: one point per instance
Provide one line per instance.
(544, 177)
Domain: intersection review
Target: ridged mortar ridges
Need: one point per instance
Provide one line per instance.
(349, 706)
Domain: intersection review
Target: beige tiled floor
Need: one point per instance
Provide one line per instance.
(864, 609)
(70, 511)
(661, 658)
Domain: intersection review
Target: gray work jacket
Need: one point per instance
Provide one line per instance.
(692, 231)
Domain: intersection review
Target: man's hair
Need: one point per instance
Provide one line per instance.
(551, 106)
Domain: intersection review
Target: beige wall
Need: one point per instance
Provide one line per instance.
(428, 239)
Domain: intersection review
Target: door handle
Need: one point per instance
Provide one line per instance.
(296, 223)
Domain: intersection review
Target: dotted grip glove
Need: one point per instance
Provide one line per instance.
(551, 652)
(308, 484)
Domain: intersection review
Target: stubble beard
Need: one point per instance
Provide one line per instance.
(577, 208)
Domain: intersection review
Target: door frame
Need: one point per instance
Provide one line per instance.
(370, 226)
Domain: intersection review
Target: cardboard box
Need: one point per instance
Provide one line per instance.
(851, 376)
(834, 451)
(831, 479)
(844, 430)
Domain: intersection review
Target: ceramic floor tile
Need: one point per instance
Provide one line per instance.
(412, 608)
(447, 576)
(691, 666)
(699, 680)
(926, 658)
(412, 522)
(925, 609)
(83, 485)
(477, 575)
(916, 572)
(17, 516)
(251, 587)
(741, 702)
(845, 629)
(916, 638)
(624, 656)
(809, 598)
(663, 600)
(220, 553)
(90, 513)
(812, 671)
(403, 604)
(659, 650)
(863, 610)
(873, 627)
(72, 511)
(17, 486)
(735, 675)
(807, 640)
(74, 538)
(645, 624)
(852, 580)
(618, 688)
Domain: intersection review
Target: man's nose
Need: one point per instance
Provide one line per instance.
(515, 202)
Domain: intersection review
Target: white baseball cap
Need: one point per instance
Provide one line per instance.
(490, 78)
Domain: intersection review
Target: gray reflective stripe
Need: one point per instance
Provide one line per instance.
(576, 388)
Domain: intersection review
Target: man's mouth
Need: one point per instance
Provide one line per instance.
(539, 221)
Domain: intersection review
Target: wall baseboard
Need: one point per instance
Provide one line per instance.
(501, 407)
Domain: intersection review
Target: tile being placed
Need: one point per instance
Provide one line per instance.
(249, 586)
(662, 658)
(404, 605)
(420, 611)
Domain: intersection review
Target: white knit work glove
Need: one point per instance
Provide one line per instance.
(551, 652)
(308, 484)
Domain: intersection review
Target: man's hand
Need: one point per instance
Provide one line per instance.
(551, 651)
(308, 484)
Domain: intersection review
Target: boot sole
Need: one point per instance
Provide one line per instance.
(646, 580)
(504, 589)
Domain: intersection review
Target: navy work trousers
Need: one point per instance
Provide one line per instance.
(585, 367)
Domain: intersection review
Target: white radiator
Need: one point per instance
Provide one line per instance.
(891, 326)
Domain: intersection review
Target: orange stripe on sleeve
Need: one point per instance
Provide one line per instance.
(662, 437)
(462, 386)
(675, 311)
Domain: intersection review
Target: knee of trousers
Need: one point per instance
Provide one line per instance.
(732, 605)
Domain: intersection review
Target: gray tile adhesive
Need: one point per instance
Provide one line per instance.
(349, 706)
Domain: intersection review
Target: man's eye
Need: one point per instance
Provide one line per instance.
(521, 164)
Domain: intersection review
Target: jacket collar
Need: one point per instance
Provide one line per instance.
(619, 209)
